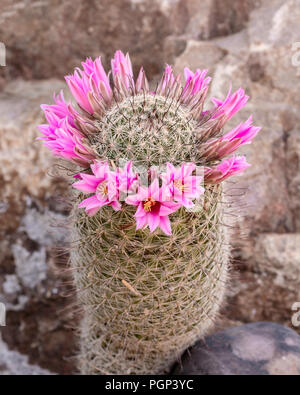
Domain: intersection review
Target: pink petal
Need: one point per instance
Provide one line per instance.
(141, 222)
(153, 221)
(84, 187)
(167, 209)
(187, 203)
(140, 212)
(116, 205)
(92, 211)
(165, 225)
(154, 190)
(90, 202)
(187, 169)
(134, 200)
(90, 179)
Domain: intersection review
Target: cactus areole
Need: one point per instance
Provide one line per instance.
(150, 248)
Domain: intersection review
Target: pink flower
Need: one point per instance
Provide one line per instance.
(244, 131)
(71, 134)
(195, 82)
(231, 105)
(229, 167)
(141, 84)
(95, 70)
(60, 134)
(90, 86)
(59, 110)
(231, 141)
(169, 78)
(101, 186)
(182, 186)
(126, 178)
(154, 207)
(168, 83)
(122, 70)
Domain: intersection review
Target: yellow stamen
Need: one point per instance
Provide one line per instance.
(179, 185)
(102, 188)
(149, 203)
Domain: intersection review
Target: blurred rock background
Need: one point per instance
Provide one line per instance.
(247, 42)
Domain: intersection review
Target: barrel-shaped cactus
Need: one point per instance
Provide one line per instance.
(150, 245)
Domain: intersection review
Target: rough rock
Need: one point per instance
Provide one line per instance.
(254, 349)
(199, 54)
(45, 47)
(31, 233)
(46, 39)
(23, 163)
(281, 19)
(44, 228)
(13, 363)
(280, 254)
(293, 175)
(268, 283)
(30, 268)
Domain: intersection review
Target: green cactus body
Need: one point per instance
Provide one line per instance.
(147, 296)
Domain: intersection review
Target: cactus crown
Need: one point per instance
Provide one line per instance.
(130, 122)
(147, 129)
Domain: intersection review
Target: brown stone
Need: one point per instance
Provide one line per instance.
(199, 54)
(47, 39)
(32, 293)
(280, 254)
(293, 175)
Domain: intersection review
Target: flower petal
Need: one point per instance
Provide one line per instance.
(165, 225)
(153, 221)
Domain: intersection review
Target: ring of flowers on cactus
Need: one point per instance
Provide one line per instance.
(88, 136)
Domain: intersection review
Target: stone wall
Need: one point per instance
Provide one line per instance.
(247, 42)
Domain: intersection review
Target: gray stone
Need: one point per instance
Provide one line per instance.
(262, 348)
(280, 24)
(13, 363)
(280, 254)
(51, 46)
(44, 227)
(199, 54)
(11, 284)
(293, 174)
(31, 268)
(24, 162)
(31, 219)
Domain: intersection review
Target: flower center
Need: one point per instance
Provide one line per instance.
(178, 184)
(149, 204)
(102, 189)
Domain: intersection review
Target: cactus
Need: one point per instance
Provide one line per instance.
(151, 268)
